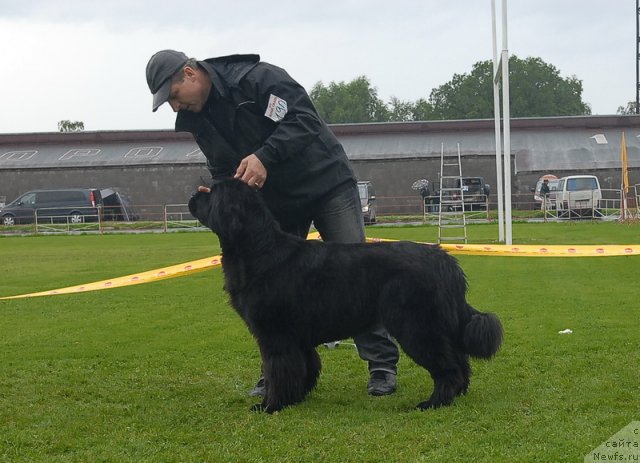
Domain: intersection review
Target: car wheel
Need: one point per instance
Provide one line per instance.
(8, 220)
(76, 217)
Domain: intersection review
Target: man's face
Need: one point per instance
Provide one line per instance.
(190, 93)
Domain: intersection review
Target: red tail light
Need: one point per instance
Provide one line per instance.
(92, 197)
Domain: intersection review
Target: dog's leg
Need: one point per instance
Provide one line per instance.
(285, 372)
(450, 379)
(450, 371)
(449, 368)
(427, 334)
(313, 369)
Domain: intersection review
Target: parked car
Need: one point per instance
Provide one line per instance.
(76, 205)
(578, 196)
(473, 189)
(368, 202)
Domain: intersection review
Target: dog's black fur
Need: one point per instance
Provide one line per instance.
(295, 294)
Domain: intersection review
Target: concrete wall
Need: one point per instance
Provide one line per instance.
(145, 185)
(162, 167)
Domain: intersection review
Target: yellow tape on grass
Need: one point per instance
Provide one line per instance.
(470, 249)
(134, 279)
(529, 250)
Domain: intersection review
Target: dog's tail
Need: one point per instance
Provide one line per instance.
(482, 334)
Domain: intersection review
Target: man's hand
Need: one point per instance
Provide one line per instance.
(251, 171)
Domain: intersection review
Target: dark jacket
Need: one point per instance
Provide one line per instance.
(259, 109)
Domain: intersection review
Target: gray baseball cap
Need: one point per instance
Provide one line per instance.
(160, 68)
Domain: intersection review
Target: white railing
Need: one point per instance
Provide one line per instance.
(177, 216)
(81, 219)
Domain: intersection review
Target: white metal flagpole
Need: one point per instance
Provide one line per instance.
(506, 124)
(496, 114)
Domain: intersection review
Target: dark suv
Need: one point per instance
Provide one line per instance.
(474, 191)
(367, 201)
(75, 205)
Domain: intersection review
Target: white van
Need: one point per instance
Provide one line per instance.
(578, 196)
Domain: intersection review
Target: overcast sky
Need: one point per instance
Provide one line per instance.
(84, 60)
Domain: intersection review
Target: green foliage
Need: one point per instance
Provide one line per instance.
(465, 96)
(536, 89)
(401, 111)
(160, 372)
(69, 126)
(423, 111)
(353, 102)
(630, 108)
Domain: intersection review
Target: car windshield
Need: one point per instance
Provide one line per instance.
(362, 190)
(471, 182)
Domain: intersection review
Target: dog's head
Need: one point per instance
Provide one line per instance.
(230, 208)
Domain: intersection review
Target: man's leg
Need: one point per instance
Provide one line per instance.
(339, 218)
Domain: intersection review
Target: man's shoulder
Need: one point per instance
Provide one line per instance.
(230, 59)
(232, 68)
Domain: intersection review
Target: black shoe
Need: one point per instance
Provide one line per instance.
(258, 390)
(381, 383)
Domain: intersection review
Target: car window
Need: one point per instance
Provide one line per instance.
(63, 196)
(29, 199)
(581, 183)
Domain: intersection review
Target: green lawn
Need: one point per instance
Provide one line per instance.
(160, 372)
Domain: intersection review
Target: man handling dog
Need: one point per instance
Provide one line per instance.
(253, 122)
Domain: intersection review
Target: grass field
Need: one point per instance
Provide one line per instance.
(160, 372)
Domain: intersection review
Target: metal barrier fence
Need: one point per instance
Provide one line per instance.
(606, 204)
(83, 219)
(103, 219)
(176, 217)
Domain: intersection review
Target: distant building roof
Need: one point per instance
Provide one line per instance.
(538, 144)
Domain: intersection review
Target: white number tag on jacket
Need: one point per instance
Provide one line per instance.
(276, 109)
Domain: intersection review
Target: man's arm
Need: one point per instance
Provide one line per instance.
(287, 103)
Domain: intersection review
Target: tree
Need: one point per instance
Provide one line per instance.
(630, 108)
(68, 126)
(353, 102)
(536, 90)
(401, 111)
(423, 110)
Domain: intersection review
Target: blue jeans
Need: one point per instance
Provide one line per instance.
(338, 217)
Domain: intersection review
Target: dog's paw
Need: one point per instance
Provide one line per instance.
(431, 404)
(426, 405)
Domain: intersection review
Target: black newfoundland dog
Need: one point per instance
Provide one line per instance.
(295, 294)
